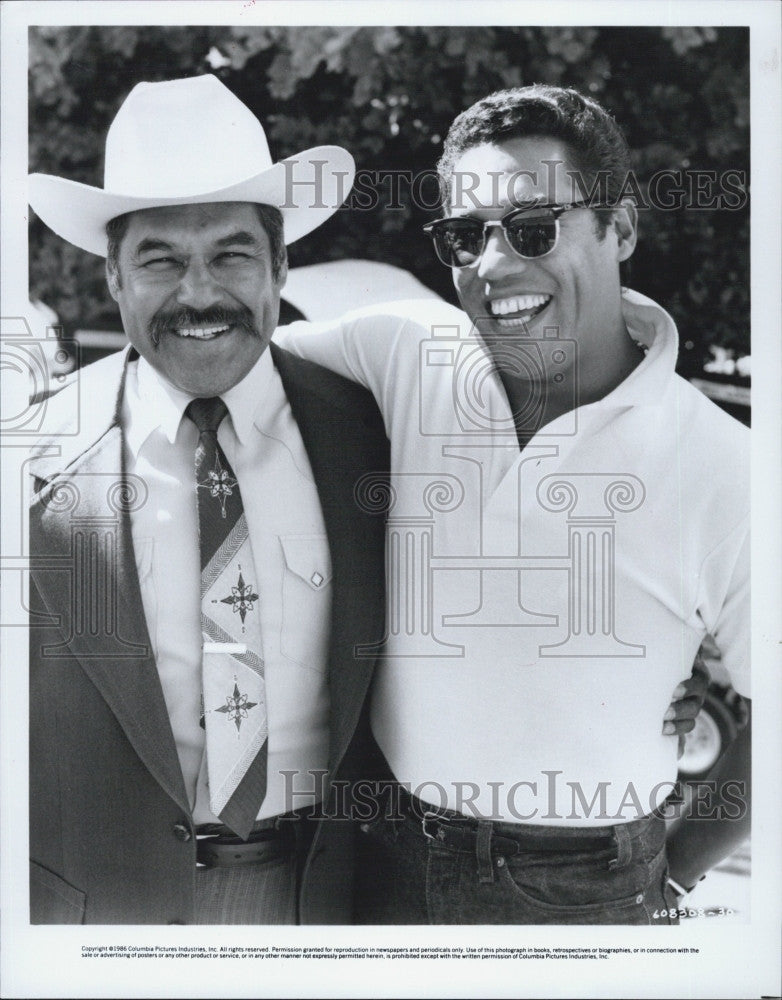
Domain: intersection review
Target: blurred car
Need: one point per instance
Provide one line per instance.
(326, 291)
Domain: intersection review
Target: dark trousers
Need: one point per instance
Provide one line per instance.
(414, 870)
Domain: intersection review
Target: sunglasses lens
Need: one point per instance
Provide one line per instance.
(532, 235)
(458, 242)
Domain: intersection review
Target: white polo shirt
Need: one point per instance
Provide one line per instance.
(291, 559)
(544, 604)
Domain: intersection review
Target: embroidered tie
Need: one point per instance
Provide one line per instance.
(234, 698)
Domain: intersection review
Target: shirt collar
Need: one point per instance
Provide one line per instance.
(152, 402)
(654, 330)
(252, 401)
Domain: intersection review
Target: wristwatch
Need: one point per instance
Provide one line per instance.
(680, 890)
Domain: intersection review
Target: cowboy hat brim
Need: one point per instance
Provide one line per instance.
(307, 188)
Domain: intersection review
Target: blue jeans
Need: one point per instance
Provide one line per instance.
(409, 873)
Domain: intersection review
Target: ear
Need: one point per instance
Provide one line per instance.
(283, 273)
(625, 225)
(112, 280)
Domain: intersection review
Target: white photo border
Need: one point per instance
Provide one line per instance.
(734, 960)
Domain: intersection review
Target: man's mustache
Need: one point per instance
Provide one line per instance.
(167, 320)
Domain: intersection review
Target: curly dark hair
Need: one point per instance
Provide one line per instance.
(269, 217)
(596, 144)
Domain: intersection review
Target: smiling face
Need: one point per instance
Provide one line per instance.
(575, 288)
(196, 292)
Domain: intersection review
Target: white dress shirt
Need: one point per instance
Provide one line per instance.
(485, 701)
(291, 562)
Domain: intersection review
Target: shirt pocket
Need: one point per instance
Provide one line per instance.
(306, 600)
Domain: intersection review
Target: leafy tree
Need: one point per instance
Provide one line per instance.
(389, 94)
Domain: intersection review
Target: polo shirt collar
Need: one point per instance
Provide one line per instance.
(654, 330)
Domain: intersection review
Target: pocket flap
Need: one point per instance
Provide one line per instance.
(308, 557)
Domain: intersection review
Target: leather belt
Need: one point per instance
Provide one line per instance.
(213, 852)
(272, 838)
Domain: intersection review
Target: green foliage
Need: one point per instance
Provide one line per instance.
(388, 95)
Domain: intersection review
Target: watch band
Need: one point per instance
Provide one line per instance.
(680, 890)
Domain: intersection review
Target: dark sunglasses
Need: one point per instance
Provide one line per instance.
(531, 232)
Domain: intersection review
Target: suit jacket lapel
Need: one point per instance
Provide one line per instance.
(83, 565)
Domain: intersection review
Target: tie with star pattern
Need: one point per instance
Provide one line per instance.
(234, 697)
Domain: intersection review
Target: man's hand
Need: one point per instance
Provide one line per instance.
(686, 701)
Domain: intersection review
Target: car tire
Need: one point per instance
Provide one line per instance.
(715, 728)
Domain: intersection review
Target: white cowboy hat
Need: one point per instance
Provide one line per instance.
(191, 141)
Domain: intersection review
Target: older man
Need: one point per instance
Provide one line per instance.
(570, 519)
(200, 570)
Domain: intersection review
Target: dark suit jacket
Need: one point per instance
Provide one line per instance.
(111, 837)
